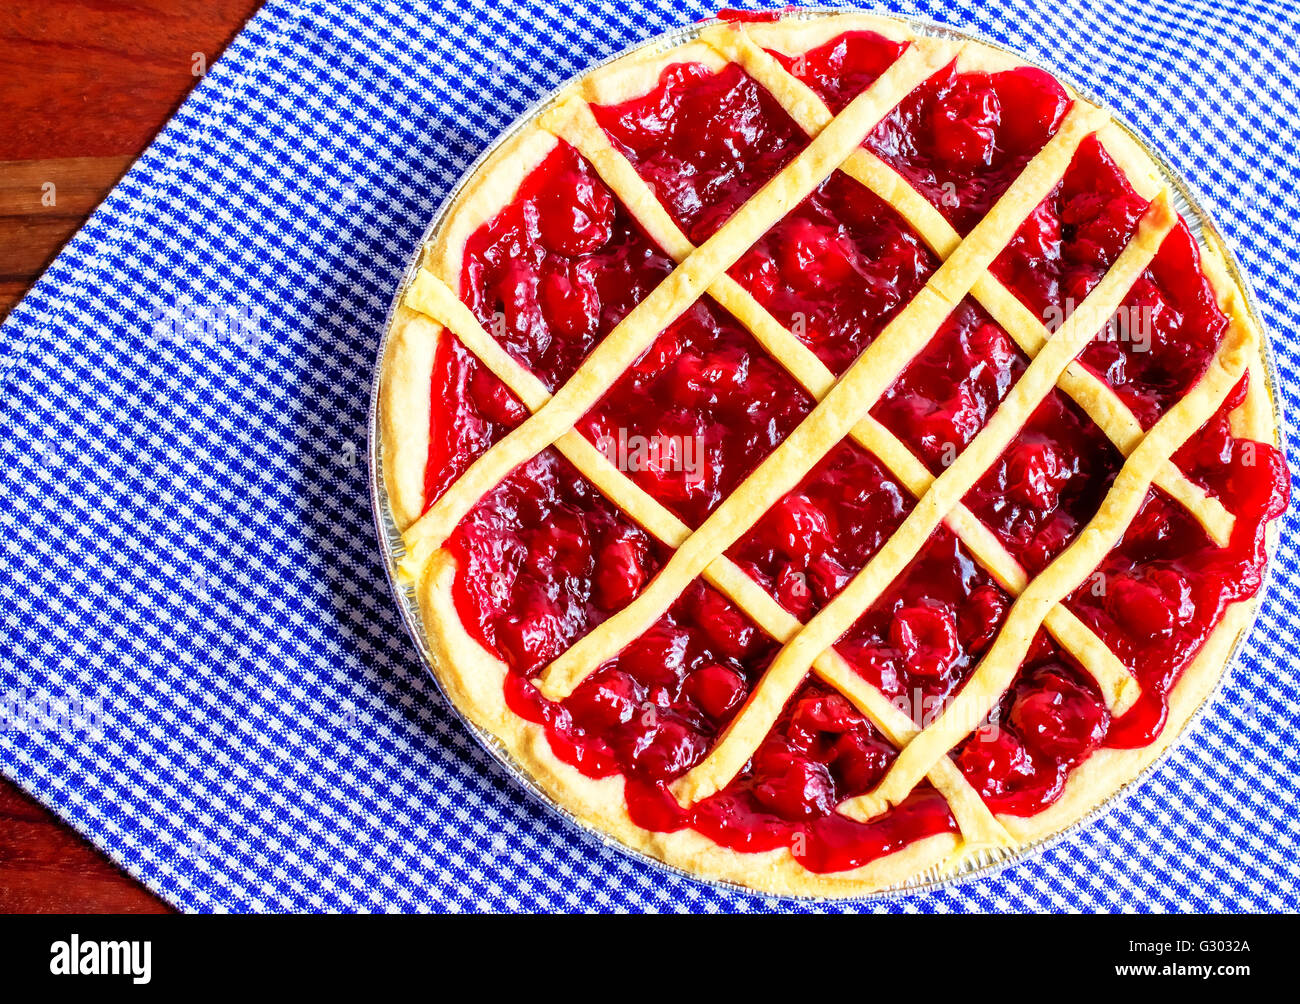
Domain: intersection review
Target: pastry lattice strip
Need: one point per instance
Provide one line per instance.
(678, 294)
(574, 123)
(791, 664)
(432, 297)
(1098, 400)
(997, 670)
(852, 396)
(976, 822)
(668, 301)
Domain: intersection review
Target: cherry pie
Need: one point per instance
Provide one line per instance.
(824, 455)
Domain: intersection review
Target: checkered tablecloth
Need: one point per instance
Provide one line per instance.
(201, 667)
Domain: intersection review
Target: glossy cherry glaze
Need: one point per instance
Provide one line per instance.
(548, 277)
(836, 269)
(805, 548)
(1157, 597)
(1163, 336)
(544, 558)
(697, 412)
(1047, 723)
(704, 141)
(844, 67)
(919, 642)
(1064, 247)
(950, 136)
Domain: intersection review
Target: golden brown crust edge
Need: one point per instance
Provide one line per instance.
(473, 678)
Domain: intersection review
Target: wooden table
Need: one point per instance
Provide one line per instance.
(84, 86)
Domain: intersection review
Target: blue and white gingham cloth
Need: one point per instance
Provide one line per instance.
(201, 666)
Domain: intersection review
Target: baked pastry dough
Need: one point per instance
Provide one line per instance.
(687, 656)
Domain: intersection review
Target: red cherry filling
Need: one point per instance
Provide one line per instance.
(607, 700)
(965, 121)
(1051, 718)
(1047, 484)
(792, 786)
(845, 66)
(836, 269)
(799, 527)
(1059, 717)
(696, 413)
(556, 269)
(926, 637)
(621, 569)
(575, 214)
(1150, 602)
(919, 641)
(704, 141)
(820, 752)
(718, 690)
(1067, 243)
(544, 558)
(806, 548)
(946, 394)
(961, 139)
(1163, 336)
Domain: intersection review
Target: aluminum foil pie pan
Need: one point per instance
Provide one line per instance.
(1185, 200)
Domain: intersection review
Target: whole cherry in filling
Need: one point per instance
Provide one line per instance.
(920, 640)
(705, 141)
(836, 269)
(1049, 721)
(961, 139)
(544, 558)
(946, 393)
(701, 408)
(548, 277)
(1065, 246)
(807, 547)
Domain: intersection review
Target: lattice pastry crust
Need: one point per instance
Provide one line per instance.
(474, 678)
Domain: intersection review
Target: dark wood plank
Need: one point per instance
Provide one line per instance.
(95, 78)
(47, 868)
(42, 204)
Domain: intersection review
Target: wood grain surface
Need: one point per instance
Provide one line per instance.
(84, 86)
